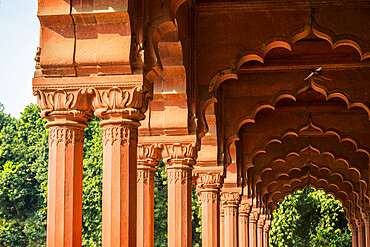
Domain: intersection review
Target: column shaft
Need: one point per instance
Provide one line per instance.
(367, 233)
(230, 202)
(64, 215)
(179, 205)
(222, 226)
(119, 185)
(266, 231)
(361, 234)
(244, 210)
(354, 235)
(253, 217)
(208, 184)
(145, 206)
(260, 224)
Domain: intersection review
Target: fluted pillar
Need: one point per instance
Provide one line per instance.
(148, 158)
(66, 122)
(222, 225)
(120, 109)
(179, 179)
(353, 228)
(367, 231)
(360, 233)
(253, 218)
(244, 210)
(230, 201)
(209, 184)
(260, 225)
(266, 232)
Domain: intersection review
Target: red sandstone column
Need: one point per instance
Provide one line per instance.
(353, 228)
(209, 194)
(120, 110)
(148, 158)
(360, 234)
(367, 231)
(231, 201)
(64, 217)
(179, 179)
(260, 224)
(266, 231)
(66, 121)
(222, 225)
(244, 210)
(253, 218)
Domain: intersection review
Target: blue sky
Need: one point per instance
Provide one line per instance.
(19, 28)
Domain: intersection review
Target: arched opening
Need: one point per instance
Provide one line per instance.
(310, 217)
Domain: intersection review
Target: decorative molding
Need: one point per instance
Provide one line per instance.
(145, 176)
(63, 103)
(175, 175)
(122, 134)
(207, 180)
(65, 135)
(130, 103)
(208, 197)
(253, 216)
(244, 209)
(230, 210)
(230, 198)
(181, 152)
(149, 154)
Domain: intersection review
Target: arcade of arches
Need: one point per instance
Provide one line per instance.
(218, 90)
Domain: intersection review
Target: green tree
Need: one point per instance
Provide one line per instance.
(23, 175)
(310, 218)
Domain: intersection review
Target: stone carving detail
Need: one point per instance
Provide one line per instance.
(175, 175)
(207, 179)
(149, 152)
(244, 209)
(208, 197)
(145, 176)
(230, 198)
(130, 103)
(253, 216)
(62, 102)
(266, 227)
(123, 134)
(230, 210)
(179, 151)
(65, 135)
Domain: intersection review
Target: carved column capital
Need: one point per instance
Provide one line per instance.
(63, 106)
(244, 209)
(261, 221)
(180, 154)
(230, 198)
(253, 216)
(124, 103)
(267, 226)
(208, 180)
(148, 154)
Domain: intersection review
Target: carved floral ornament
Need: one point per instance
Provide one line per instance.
(66, 135)
(149, 153)
(122, 134)
(230, 198)
(184, 153)
(130, 103)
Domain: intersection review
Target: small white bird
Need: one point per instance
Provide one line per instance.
(314, 72)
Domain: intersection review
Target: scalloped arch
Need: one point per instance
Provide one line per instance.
(286, 43)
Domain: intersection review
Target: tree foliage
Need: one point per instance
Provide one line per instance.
(310, 218)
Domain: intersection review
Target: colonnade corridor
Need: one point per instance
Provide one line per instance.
(247, 101)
